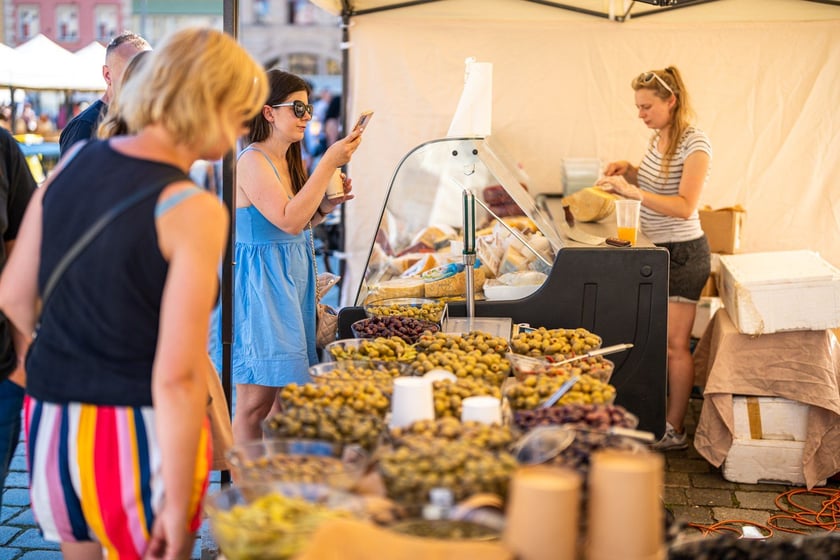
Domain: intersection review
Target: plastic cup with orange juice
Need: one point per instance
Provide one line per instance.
(627, 219)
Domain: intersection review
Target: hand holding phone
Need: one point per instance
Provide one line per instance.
(363, 121)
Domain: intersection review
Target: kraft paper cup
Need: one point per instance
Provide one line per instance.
(335, 188)
(627, 219)
(543, 514)
(484, 409)
(625, 518)
(411, 401)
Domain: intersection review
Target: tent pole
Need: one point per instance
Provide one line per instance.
(230, 16)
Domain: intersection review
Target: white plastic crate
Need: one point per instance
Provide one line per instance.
(780, 291)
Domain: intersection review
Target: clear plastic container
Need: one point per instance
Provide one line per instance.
(419, 308)
(298, 460)
(274, 521)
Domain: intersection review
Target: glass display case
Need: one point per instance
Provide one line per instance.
(621, 294)
(420, 237)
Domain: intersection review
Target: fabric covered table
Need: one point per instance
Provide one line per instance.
(802, 366)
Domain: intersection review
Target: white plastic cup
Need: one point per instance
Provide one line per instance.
(627, 219)
(412, 400)
(484, 409)
(335, 188)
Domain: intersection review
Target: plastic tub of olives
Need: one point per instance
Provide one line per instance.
(298, 460)
(596, 366)
(407, 328)
(380, 348)
(380, 372)
(418, 308)
(275, 521)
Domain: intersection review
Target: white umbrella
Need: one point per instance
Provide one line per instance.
(91, 58)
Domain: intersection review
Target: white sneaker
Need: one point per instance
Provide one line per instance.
(671, 441)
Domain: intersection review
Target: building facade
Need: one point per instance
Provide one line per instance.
(71, 24)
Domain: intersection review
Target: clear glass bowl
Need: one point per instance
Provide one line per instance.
(380, 372)
(386, 349)
(298, 460)
(274, 521)
(406, 328)
(419, 308)
(598, 367)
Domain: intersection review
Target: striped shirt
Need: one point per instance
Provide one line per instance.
(657, 227)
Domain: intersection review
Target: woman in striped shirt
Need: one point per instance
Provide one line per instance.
(668, 182)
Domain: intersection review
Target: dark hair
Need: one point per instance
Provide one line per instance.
(281, 85)
(126, 37)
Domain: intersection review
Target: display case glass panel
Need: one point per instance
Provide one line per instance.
(418, 249)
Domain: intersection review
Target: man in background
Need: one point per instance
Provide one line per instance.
(16, 188)
(118, 53)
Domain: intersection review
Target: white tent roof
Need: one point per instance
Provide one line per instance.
(42, 64)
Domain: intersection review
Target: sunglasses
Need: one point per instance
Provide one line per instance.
(299, 107)
(647, 78)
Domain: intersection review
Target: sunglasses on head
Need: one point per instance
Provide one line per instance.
(647, 78)
(299, 107)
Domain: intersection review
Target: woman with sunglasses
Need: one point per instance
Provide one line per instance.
(274, 285)
(669, 181)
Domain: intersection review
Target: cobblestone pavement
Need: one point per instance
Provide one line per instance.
(695, 492)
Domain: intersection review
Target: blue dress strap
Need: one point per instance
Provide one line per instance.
(165, 206)
(253, 148)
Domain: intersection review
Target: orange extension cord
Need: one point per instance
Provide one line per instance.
(827, 518)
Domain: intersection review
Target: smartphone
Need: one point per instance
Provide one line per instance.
(363, 121)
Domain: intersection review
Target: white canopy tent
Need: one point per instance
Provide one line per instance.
(764, 77)
(41, 64)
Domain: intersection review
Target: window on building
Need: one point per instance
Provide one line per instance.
(105, 22)
(303, 64)
(67, 22)
(28, 22)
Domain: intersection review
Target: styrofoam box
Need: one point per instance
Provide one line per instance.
(780, 291)
(760, 460)
(769, 418)
(706, 309)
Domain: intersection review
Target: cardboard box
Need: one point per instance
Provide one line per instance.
(780, 291)
(723, 228)
(706, 309)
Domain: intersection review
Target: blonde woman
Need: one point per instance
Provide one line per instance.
(115, 412)
(669, 181)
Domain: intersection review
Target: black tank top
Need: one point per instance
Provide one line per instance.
(99, 329)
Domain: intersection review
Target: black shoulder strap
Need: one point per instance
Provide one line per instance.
(94, 230)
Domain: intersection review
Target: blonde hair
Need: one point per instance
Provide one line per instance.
(114, 124)
(196, 76)
(682, 113)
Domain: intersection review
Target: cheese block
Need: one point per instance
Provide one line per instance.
(512, 261)
(455, 285)
(396, 288)
(426, 262)
(591, 204)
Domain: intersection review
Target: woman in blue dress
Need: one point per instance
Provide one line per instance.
(274, 276)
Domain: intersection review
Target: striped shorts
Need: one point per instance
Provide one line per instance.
(95, 474)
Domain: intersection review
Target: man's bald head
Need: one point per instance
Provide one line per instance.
(118, 53)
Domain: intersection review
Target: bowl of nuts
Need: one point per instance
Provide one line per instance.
(331, 463)
(418, 308)
(406, 328)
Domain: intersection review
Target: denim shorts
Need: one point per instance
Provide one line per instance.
(689, 267)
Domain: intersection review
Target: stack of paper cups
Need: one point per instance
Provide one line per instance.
(412, 400)
(484, 409)
(543, 514)
(625, 512)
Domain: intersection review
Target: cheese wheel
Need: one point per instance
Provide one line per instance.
(591, 204)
